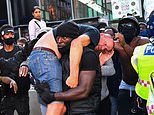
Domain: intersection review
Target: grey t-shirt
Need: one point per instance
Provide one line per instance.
(107, 70)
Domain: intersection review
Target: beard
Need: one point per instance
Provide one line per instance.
(65, 49)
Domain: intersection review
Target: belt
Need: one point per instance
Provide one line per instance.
(45, 49)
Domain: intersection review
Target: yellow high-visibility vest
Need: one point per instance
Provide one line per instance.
(150, 101)
(143, 62)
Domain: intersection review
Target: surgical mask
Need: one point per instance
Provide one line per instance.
(9, 41)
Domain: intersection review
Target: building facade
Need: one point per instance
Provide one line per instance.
(18, 12)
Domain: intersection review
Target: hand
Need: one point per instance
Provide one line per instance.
(104, 57)
(44, 92)
(117, 46)
(29, 47)
(14, 86)
(121, 39)
(23, 71)
(47, 97)
(72, 82)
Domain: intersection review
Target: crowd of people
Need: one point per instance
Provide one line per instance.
(78, 69)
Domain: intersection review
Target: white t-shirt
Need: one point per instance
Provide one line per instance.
(34, 27)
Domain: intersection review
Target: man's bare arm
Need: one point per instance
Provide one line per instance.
(86, 80)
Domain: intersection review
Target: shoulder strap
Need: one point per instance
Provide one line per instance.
(37, 24)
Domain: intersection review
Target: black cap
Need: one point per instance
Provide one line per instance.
(5, 29)
(68, 29)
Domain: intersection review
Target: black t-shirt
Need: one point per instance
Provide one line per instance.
(7, 55)
(13, 72)
(10, 54)
(92, 32)
(89, 62)
(86, 63)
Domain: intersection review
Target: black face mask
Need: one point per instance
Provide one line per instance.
(129, 32)
(128, 35)
(9, 41)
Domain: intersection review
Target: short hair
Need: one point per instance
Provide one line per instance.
(112, 28)
(101, 26)
(35, 7)
(22, 39)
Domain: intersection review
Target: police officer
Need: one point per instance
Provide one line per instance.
(142, 61)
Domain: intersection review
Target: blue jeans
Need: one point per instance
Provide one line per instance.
(114, 105)
(43, 109)
(46, 67)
